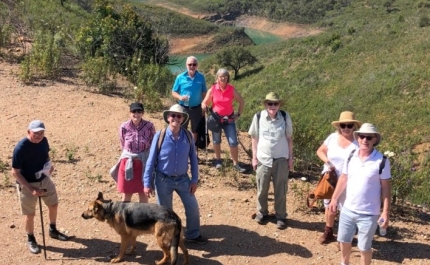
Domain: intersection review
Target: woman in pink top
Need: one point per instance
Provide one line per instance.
(222, 95)
(135, 137)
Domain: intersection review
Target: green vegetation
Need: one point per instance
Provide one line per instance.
(235, 58)
(300, 11)
(372, 58)
(368, 60)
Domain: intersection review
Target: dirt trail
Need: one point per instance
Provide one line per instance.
(86, 124)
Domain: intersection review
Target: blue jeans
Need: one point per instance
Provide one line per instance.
(348, 223)
(230, 133)
(165, 186)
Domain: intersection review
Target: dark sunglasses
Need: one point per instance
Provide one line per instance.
(179, 116)
(368, 137)
(349, 125)
(137, 111)
(272, 103)
(192, 64)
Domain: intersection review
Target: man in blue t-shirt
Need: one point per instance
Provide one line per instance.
(190, 89)
(32, 169)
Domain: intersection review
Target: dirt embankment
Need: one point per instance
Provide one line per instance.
(284, 30)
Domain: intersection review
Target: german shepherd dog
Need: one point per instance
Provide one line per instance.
(131, 219)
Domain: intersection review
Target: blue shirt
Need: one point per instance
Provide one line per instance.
(173, 157)
(30, 158)
(196, 86)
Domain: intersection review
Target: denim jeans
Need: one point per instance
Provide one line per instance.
(230, 133)
(348, 223)
(165, 186)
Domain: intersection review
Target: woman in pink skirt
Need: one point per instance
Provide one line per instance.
(136, 137)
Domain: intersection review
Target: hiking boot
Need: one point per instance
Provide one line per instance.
(33, 247)
(218, 165)
(327, 236)
(281, 224)
(260, 218)
(238, 168)
(199, 240)
(58, 235)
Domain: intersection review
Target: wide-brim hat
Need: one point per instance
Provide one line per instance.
(368, 128)
(347, 117)
(272, 97)
(175, 109)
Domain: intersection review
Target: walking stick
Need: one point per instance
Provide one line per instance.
(43, 229)
(206, 136)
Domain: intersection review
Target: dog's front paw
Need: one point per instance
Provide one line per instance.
(116, 260)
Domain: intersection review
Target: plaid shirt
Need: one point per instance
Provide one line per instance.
(136, 139)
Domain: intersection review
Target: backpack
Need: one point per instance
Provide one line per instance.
(163, 134)
(284, 114)
(202, 134)
(328, 181)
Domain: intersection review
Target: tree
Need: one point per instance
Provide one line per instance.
(235, 58)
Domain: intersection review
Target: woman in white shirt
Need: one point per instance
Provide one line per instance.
(333, 152)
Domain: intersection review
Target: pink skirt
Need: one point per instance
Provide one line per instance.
(134, 185)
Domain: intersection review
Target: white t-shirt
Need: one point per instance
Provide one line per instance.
(363, 188)
(336, 154)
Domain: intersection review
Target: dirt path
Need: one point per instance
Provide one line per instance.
(86, 124)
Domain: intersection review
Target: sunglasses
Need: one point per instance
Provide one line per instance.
(368, 137)
(349, 125)
(179, 116)
(272, 103)
(137, 111)
(192, 64)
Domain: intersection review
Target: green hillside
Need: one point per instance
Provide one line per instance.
(371, 59)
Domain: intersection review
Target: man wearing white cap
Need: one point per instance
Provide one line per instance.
(32, 168)
(366, 185)
(169, 162)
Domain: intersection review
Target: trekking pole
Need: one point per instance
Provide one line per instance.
(244, 149)
(41, 220)
(206, 136)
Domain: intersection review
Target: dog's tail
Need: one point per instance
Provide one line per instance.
(176, 239)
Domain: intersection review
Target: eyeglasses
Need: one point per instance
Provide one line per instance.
(192, 64)
(368, 137)
(137, 111)
(349, 125)
(272, 103)
(222, 76)
(179, 116)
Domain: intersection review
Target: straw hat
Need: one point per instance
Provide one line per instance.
(368, 128)
(176, 109)
(346, 117)
(273, 97)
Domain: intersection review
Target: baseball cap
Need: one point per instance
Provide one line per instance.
(36, 126)
(136, 106)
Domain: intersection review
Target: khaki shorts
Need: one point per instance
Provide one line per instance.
(28, 201)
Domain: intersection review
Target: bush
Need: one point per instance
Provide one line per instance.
(43, 61)
(424, 21)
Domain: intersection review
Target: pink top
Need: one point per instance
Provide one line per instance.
(222, 101)
(136, 139)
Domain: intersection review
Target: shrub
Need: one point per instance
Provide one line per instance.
(424, 21)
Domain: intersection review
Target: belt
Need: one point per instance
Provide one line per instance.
(193, 107)
(172, 176)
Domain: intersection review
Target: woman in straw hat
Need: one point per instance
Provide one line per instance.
(333, 152)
